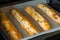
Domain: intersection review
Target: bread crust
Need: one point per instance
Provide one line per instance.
(50, 12)
(25, 23)
(38, 17)
(9, 27)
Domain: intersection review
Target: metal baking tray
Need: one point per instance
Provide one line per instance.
(47, 36)
(54, 26)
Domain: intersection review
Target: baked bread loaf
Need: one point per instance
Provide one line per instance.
(24, 22)
(50, 12)
(39, 18)
(9, 27)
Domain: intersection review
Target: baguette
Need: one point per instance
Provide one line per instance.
(50, 12)
(9, 27)
(39, 18)
(24, 22)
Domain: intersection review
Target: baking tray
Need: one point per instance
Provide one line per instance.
(55, 27)
(46, 36)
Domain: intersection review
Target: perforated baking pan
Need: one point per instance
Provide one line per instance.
(54, 26)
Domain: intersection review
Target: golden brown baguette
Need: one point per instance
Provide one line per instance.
(39, 18)
(24, 22)
(50, 12)
(9, 27)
